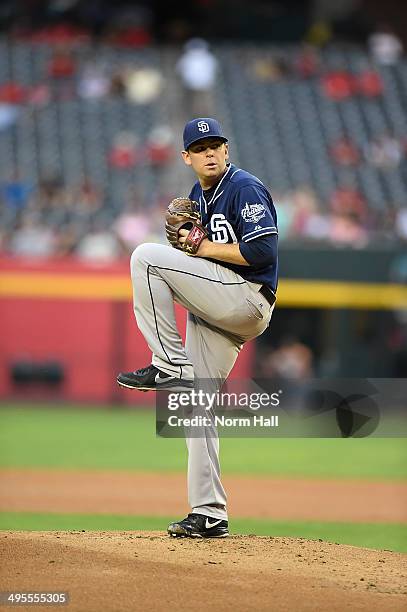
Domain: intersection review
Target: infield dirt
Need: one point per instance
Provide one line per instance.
(151, 494)
(136, 571)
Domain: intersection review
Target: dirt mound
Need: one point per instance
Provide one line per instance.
(139, 571)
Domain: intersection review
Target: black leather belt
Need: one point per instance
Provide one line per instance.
(268, 294)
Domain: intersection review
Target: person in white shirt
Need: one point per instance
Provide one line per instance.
(197, 68)
(385, 47)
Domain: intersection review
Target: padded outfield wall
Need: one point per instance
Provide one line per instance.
(80, 317)
(67, 315)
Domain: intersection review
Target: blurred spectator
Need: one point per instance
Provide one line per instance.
(157, 214)
(67, 237)
(86, 199)
(319, 34)
(57, 34)
(117, 85)
(143, 85)
(134, 37)
(293, 360)
(304, 205)
(9, 114)
(338, 85)
(62, 64)
(124, 154)
(39, 95)
(385, 46)
(384, 151)
(32, 238)
(16, 193)
(93, 81)
(133, 225)
(99, 243)
(382, 224)
(344, 152)
(306, 63)
(61, 70)
(4, 240)
(12, 92)
(401, 223)
(159, 147)
(269, 69)
(197, 68)
(317, 226)
(347, 199)
(131, 25)
(346, 229)
(307, 221)
(51, 196)
(369, 83)
(285, 213)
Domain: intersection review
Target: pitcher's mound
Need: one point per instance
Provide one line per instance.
(139, 571)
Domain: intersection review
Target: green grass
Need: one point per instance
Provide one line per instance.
(116, 438)
(380, 536)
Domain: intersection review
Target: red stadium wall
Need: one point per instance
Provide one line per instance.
(81, 317)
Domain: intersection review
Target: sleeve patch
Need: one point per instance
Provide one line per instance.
(252, 213)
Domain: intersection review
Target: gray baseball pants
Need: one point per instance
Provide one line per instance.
(224, 311)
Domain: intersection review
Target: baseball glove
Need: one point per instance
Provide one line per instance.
(183, 213)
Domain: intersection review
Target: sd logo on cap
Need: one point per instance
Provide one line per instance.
(203, 127)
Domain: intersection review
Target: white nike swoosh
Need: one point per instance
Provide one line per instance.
(164, 378)
(208, 525)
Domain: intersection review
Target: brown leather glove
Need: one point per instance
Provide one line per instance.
(183, 213)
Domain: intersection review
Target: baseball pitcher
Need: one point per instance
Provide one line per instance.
(221, 265)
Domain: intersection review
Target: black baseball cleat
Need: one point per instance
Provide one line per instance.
(199, 526)
(152, 379)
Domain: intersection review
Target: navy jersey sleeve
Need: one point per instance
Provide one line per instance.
(256, 215)
(261, 252)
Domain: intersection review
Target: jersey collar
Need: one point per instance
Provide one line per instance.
(215, 194)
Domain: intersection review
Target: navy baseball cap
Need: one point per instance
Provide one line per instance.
(203, 127)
